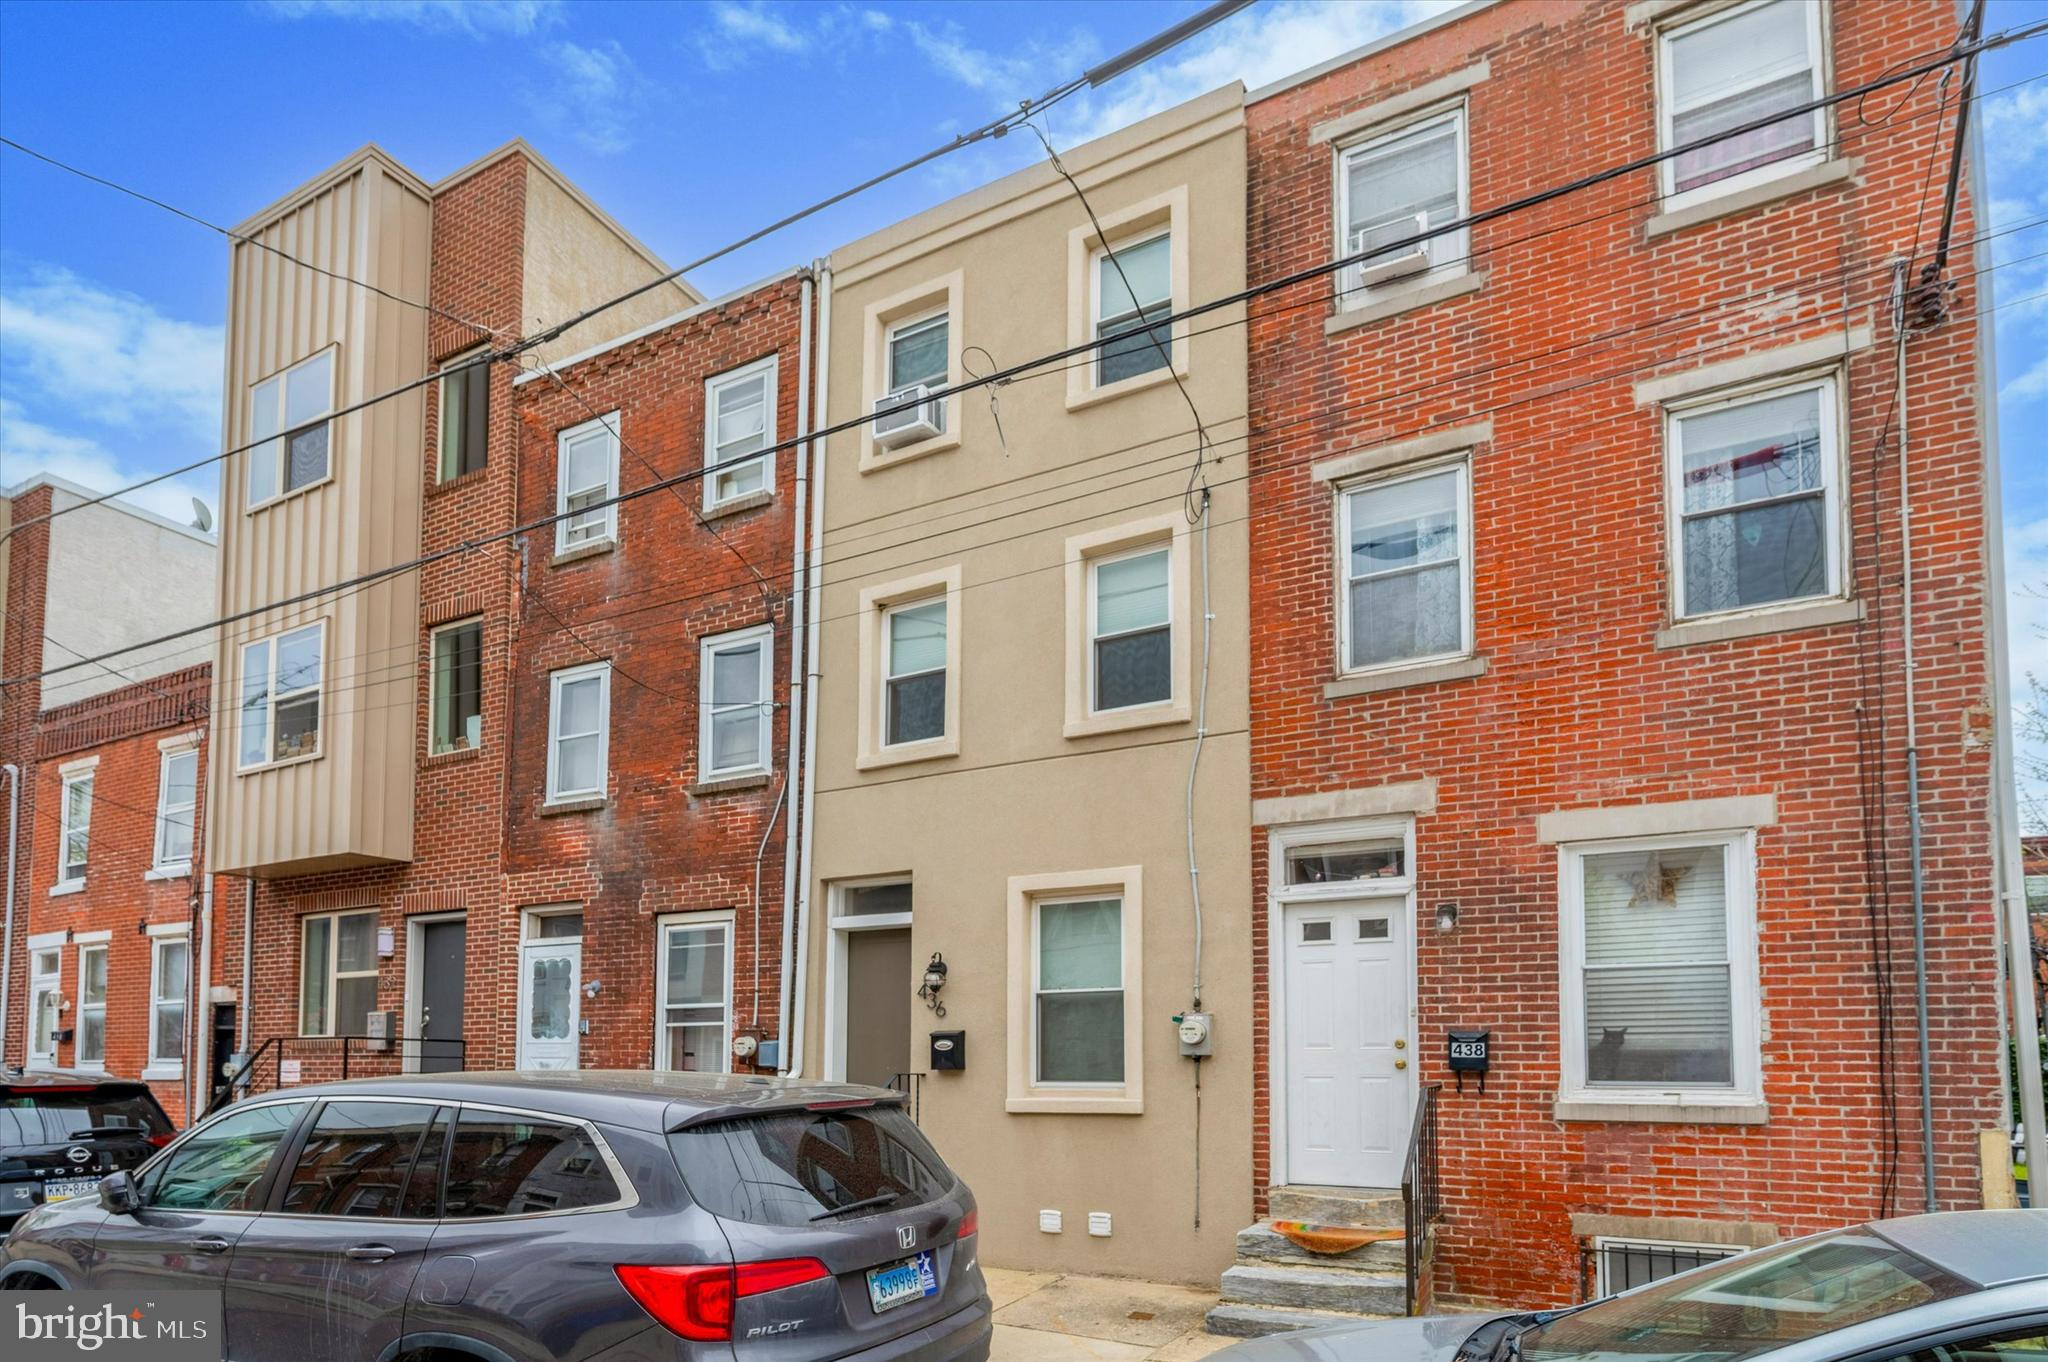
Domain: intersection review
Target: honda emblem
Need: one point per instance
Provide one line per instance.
(906, 1236)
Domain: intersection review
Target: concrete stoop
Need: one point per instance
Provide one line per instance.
(1276, 1286)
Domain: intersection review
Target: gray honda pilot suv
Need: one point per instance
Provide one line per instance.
(618, 1216)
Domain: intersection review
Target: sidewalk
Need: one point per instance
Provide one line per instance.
(1049, 1317)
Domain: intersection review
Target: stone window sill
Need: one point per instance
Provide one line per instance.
(1790, 619)
(67, 887)
(752, 501)
(439, 487)
(1750, 196)
(1399, 678)
(568, 806)
(903, 755)
(1124, 721)
(751, 780)
(1403, 298)
(164, 1073)
(583, 551)
(1109, 1105)
(1663, 1113)
(168, 872)
(1138, 383)
(875, 457)
(454, 755)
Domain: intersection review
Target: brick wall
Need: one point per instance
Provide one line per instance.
(1577, 706)
(21, 654)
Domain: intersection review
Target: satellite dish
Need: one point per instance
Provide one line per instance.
(202, 519)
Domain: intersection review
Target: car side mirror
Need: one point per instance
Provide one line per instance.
(118, 1194)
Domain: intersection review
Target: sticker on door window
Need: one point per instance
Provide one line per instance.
(549, 990)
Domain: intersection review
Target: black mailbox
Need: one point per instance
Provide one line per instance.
(1469, 1052)
(949, 1050)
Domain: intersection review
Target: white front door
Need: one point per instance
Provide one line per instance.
(550, 1003)
(1349, 1081)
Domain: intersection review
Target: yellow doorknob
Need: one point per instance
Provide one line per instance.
(1400, 1063)
(1400, 1045)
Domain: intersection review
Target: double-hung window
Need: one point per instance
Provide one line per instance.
(177, 796)
(170, 962)
(1077, 992)
(76, 843)
(1133, 290)
(1393, 188)
(917, 355)
(44, 969)
(586, 480)
(739, 423)
(1755, 499)
(1130, 629)
(281, 697)
(1405, 569)
(1659, 970)
(579, 731)
(456, 687)
(92, 1006)
(290, 415)
(735, 701)
(337, 973)
(914, 675)
(465, 414)
(1733, 68)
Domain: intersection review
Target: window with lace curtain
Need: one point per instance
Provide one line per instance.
(1732, 68)
(1756, 500)
(1404, 569)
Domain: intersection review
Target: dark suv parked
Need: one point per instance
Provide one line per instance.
(625, 1216)
(61, 1132)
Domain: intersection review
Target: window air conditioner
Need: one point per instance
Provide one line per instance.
(1412, 258)
(907, 415)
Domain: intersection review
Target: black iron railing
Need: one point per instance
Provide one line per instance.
(1421, 1197)
(1618, 1265)
(283, 1061)
(912, 1088)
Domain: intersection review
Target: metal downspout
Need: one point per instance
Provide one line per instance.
(13, 774)
(797, 602)
(816, 589)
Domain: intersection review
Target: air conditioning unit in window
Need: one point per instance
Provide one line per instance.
(907, 416)
(1412, 258)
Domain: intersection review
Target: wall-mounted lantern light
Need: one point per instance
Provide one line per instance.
(934, 980)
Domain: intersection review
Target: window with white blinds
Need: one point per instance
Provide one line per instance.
(1734, 68)
(1660, 968)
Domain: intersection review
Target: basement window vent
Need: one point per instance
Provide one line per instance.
(1608, 1266)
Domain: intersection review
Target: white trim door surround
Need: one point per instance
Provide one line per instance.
(1343, 1043)
(552, 1041)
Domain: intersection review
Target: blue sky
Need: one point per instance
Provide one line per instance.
(692, 124)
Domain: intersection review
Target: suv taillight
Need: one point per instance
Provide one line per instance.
(697, 1302)
(969, 1223)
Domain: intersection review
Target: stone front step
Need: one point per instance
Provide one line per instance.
(1257, 1321)
(1364, 1207)
(1339, 1289)
(1261, 1243)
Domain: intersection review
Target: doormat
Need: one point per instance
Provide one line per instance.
(1332, 1238)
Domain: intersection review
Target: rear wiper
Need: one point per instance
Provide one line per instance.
(107, 1133)
(885, 1199)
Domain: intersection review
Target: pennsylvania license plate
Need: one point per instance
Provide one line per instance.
(66, 1188)
(901, 1283)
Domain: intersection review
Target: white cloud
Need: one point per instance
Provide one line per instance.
(2028, 386)
(475, 18)
(1020, 72)
(29, 447)
(109, 358)
(593, 94)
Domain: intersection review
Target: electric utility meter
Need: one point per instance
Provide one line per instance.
(1196, 1033)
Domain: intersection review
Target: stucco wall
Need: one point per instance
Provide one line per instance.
(574, 260)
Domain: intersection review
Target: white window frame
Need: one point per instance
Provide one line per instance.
(1817, 52)
(1027, 893)
(281, 453)
(165, 810)
(1094, 564)
(1461, 465)
(1097, 258)
(88, 945)
(71, 873)
(459, 364)
(1039, 992)
(161, 1066)
(1450, 253)
(1833, 516)
(273, 698)
(602, 671)
(331, 967)
(724, 924)
(434, 684)
(708, 649)
(716, 471)
(45, 983)
(889, 614)
(609, 426)
(1745, 1005)
(912, 323)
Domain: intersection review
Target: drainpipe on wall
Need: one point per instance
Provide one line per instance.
(796, 675)
(13, 774)
(816, 590)
(199, 1025)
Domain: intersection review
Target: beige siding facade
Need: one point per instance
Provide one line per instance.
(1031, 796)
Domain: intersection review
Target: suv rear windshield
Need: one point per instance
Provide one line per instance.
(794, 1167)
(43, 1116)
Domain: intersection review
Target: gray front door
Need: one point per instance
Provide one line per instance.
(441, 960)
(878, 993)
